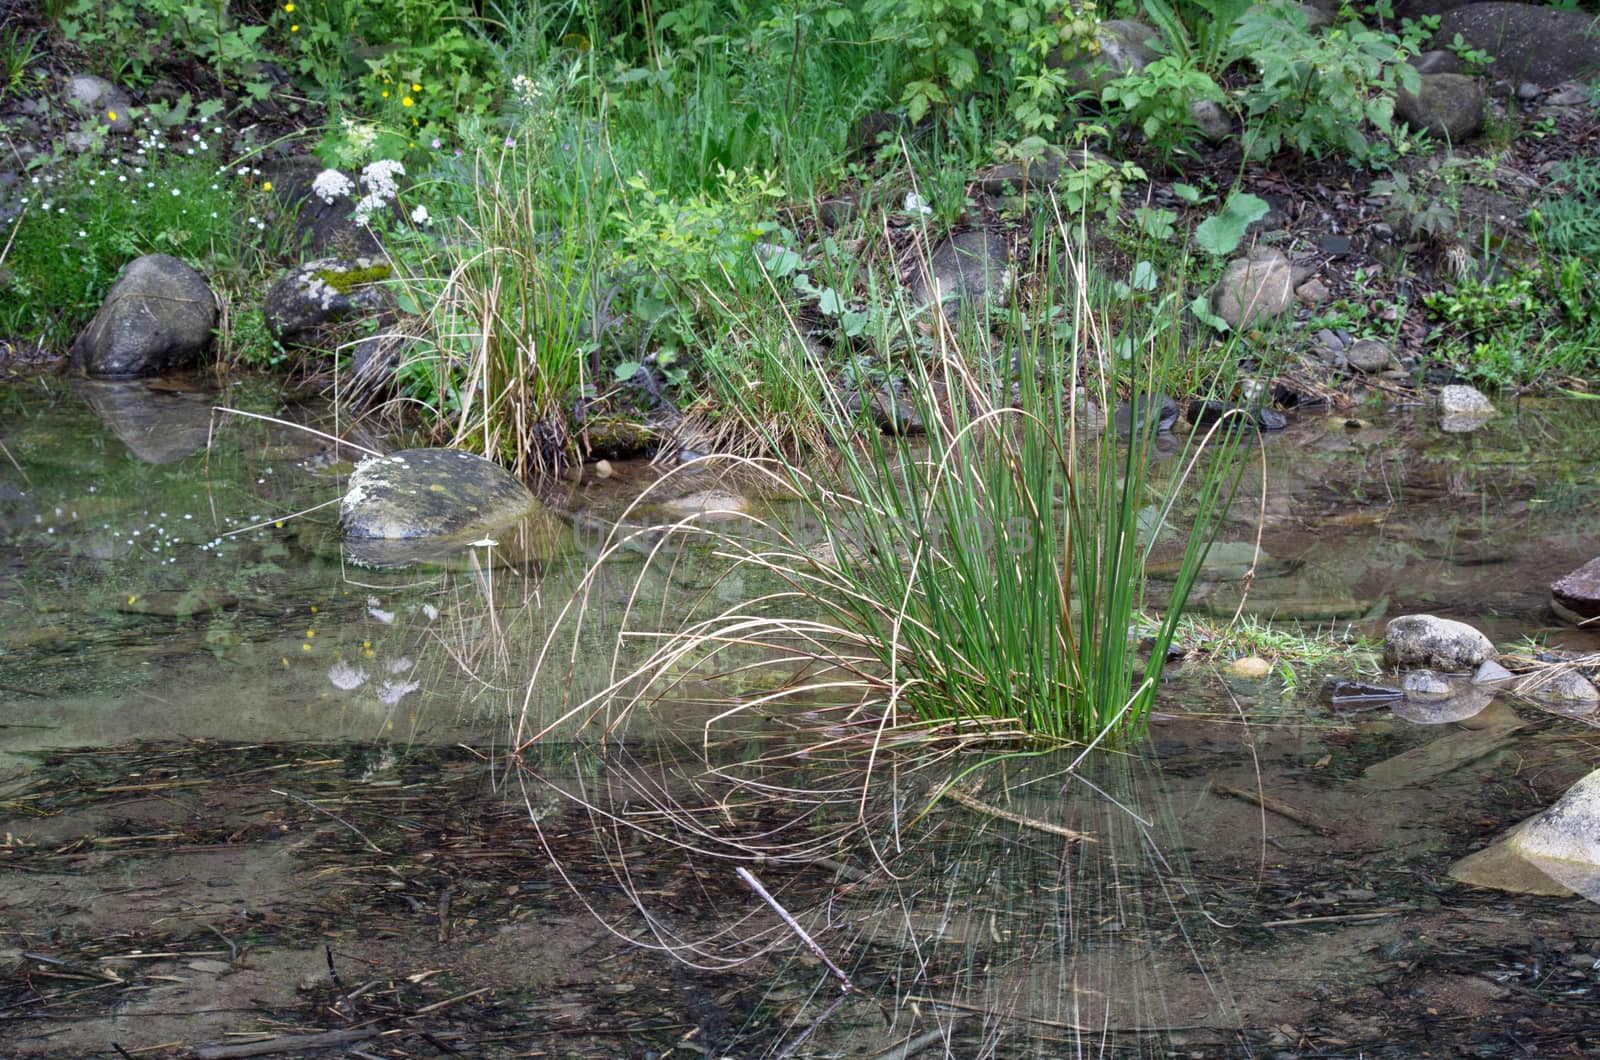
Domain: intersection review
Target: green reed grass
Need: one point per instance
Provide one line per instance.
(1000, 574)
(987, 581)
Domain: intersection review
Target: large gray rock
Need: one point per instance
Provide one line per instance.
(1429, 643)
(310, 298)
(1124, 48)
(969, 267)
(428, 493)
(1528, 42)
(1254, 288)
(1463, 409)
(100, 100)
(1575, 596)
(157, 317)
(1450, 106)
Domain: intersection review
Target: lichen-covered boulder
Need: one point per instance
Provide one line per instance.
(157, 317)
(1427, 642)
(419, 493)
(310, 298)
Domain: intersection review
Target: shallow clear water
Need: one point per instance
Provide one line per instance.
(159, 585)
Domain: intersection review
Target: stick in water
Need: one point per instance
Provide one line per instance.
(794, 925)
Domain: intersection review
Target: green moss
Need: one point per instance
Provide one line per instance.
(346, 280)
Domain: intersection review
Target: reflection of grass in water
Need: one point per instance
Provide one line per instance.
(1007, 935)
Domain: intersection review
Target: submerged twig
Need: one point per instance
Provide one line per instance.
(1279, 807)
(375, 848)
(1016, 818)
(794, 925)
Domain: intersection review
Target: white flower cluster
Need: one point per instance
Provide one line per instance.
(361, 137)
(382, 188)
(379, 180)
(526, 91)
(330, 184)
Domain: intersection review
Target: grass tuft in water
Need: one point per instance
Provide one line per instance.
(989, 580)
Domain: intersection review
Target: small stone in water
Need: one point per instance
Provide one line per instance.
(1252, 667)
(603, 469)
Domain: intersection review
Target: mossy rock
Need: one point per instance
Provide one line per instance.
(617, 437)
(418, 493)
(310, 299)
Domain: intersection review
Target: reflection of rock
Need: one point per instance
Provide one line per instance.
(1554, 852)
(1225, 561)
(708, 505)
(1427, 642)
(158, 427)
(1489, 731)
(527, 542)
(1433, 699)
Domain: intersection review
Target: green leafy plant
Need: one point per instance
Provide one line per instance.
(1220, 234)
(1567, 217)
(80, 222)
(1531, 323)
(1157, 100)
(1316, 93)
(18, 52)
(1009, 48)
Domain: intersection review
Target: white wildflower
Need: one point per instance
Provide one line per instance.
(419, 216)
(390, 692)
(400, 665)
(386, 617)
(917, 204)
(345, 677)
(362, 136)
(431, 611)
(378, 177)
(330, 184)
(523, 87)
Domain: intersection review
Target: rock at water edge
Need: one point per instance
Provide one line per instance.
(427, 492)
(1430, 643)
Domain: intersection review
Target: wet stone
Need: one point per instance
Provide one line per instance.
(1565, 688)
(1429, 642)
(1490, 672)
(1165, 409)
(1575, 597)
(428, 492)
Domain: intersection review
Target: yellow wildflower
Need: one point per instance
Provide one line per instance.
(406, 102)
